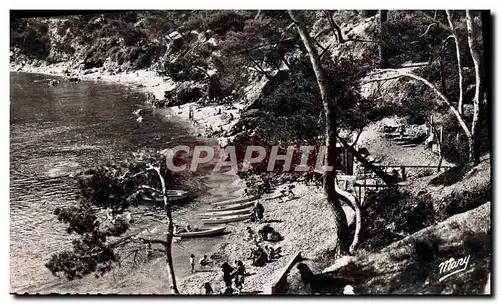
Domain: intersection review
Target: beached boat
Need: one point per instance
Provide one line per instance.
(202, 232)
(225, 213)
(232, 207)
(235, 200)
(172, 195)
(226, 219)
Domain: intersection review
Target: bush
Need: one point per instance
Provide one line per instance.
(31, 37)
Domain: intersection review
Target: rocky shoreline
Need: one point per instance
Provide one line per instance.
(208, 120)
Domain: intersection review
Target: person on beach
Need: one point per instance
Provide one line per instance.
(191, 262)
(287, 193)
(110, 215)
(270, 252)
(149, 251)
(207, 288)
(402, 130)
(239, 275)
(258, 210)
(250, 235)
(263, 230)
(204, 261)
(226, 274)
(259, 256)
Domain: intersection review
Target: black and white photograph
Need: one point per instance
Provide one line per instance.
(239, 152)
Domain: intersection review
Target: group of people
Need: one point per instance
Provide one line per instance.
(204, 261)
(230, 274)
(262, 254)
(188, 228)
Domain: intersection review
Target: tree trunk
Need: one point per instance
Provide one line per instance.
(459, 60)
(474, 147)
(381, 43)
(170, 234)
(336, 28)
(339, 217)
(443, 76)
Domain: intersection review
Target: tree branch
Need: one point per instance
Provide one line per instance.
(439, 93)
(443, 25)
(428, 28)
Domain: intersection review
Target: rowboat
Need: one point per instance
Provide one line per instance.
(202, 232)
(235, 200)
(226, 219)
(172, 195)
(232, 207)
(225, 213)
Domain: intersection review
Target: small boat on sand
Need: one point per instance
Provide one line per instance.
(227, 219)
(202, 232)
(224, 213)
(232, 207)
(172, 195)
(235, 200)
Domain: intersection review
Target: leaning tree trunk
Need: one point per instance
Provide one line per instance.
(381, 43)
(475, 142)
(339, 217)
(170, 234)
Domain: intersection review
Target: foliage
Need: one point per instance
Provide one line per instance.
(393, 214)
(110, 186)
(31, 37)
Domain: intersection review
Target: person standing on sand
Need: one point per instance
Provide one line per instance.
(191, 262)
(402, 130)
(227, 270)
(258, 211)
(207, 288)
(239, 275)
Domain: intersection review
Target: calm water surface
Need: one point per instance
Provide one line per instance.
(57, 130)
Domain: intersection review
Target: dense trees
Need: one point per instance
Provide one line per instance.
(472, 133)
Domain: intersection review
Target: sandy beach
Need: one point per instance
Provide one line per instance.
(296, 220)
